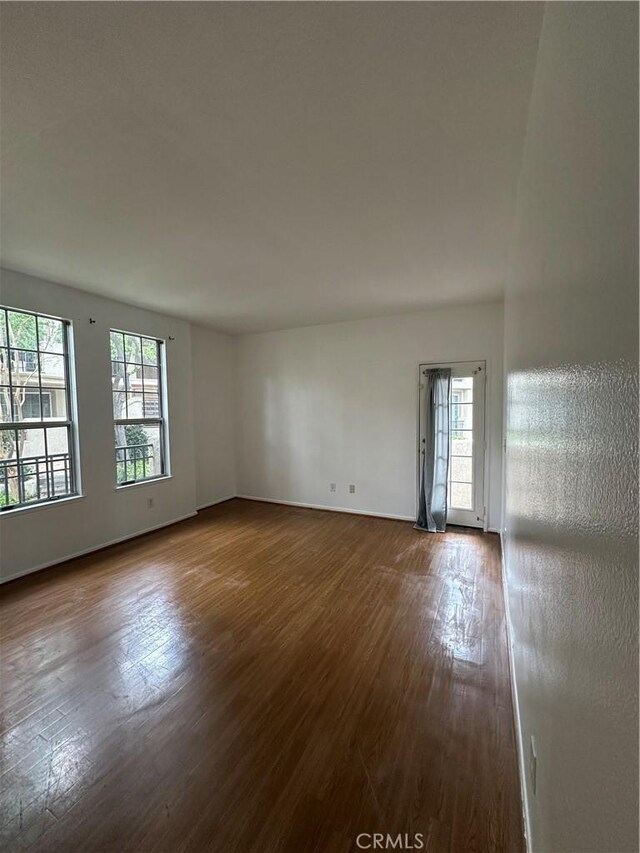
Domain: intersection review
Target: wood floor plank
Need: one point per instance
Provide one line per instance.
(260, 678)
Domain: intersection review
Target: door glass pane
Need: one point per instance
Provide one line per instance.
(462, 444)
(461, 417)
(460, 491)
(463, 385)
(461, 469)
(460, 495)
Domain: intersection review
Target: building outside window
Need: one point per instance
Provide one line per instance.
(36, 413)
(139, 409)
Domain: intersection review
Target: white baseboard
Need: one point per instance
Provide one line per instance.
(215, 503)
(516, 705)
(328, 508)
(93, 548)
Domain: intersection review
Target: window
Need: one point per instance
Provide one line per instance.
(36, 424)
(138, 407)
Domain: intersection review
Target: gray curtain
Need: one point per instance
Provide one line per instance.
(434, 459)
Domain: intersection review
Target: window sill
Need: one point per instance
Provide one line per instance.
(41, 506)
(151, 481)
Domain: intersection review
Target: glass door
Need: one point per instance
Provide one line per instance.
(465, 486)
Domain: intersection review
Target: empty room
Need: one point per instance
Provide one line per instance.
(319, 427)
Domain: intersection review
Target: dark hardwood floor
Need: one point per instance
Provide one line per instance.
(261, 678)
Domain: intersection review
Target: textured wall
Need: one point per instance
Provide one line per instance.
(571, 346)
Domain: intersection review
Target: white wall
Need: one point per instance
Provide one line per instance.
(212, 356)
(32, 537)
(571, 348)
(339, 403)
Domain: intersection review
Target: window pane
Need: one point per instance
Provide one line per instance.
(26, 402)
(50, 335)
(31, 409)
(32, 464)
(461, 469)
(117, 346)
(135, 372)
(9, 494)
(5, 403)
(22, 330)
(151, 406)
(118, 375)
(8, 444)
(45, 464)
(58, 462)
(24, 363)
(132, 349)
(47, 399)
(138, 453)
(134, 377)
(30, 443)
(52, 367)
(134, 405)
(149, 351)
(460, 496)
(54, 404)
(150, 379)
(119, 405)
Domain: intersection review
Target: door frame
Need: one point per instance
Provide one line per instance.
(480, 515)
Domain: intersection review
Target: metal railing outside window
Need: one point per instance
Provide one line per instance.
(134, 462)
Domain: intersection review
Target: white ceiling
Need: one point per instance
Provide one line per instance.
(264, 165)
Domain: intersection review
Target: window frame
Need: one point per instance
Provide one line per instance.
(69, 422)
(161, 421)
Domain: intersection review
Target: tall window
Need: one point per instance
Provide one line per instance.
(138, 407)
(36, 424)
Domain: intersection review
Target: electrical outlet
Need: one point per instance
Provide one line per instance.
(352, 489)
(149, 503)
(533, 765)
(333, 487)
